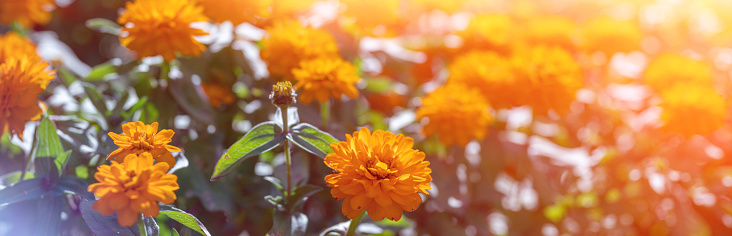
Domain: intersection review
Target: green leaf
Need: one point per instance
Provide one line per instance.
(82, 172)
(97, 99)
(275, 181)
(100, 71)
(261, 138)
(104, 26)
(174, 233)
(49, 214)
(184, 218)
(300, 194)
(61, 161)
(14, 177)
(48, 143)
(74, 185)
(21, 191)
(312, 139)
(139, 104)
(289, 223)
(379, 84)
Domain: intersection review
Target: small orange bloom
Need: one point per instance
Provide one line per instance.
(371, 17)
(490, 32)
(133, 187)
(162, 27)
(26, 12)
(379, 173)
(13, 45)
(490, 73)
(140, 138)
(236, 11)
(218, 95)
(456, 114)
(322, 77)
(608, 35)
(691, 109)
(670, 69)
(22, 79)
(288, 43)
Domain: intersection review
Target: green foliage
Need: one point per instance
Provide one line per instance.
(311, 139)
(184, 218)
(261, 138)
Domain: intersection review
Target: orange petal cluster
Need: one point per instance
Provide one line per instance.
(133, 187)
(218, 95)
(324, 77)
(456, 114)
(379, 173)
(492, 74)
(27, 13)
(140, 138)
(162, 27)
(289, 43)
(691, 109)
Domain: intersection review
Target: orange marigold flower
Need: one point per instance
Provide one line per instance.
(324, 77)
(22, 79)
(218, 95)
(140, 138)
(442, 5)
(26, 12)
(490, 32)
(371, 17)
(13, 45)
(550, 30)
(288, 43)
(671, 69)
(162, 27)
(492, 74)
(236, 11)
(549, 78)
(133, 187)
(379, 173)
(456, 114)
(691, 109)
(608, 35)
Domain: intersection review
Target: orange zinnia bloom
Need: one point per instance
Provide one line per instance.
(236, 11)
(610, 36)
(289, 43)
(322, 77)
(691, 109)
(22, 79)
(13, 45)
(379, 173)
(133, 187)
(670, 69)
(26, 12)
(139, 138)
(491, 74)
(218, 95)
(162, 27)
(456, 114)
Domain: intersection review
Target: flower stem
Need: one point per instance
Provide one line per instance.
(285, 130)
(141, 225)
(165, 71)
(354, 224)
(325, 113)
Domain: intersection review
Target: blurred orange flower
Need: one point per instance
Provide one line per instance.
(386, 102)
(672, 69)
(549, 78)
(550, 30)
(133, 187)
(288, 43)
(442, 5)
(691, 109)
(324, 77)
(236, 11)
(13, 45)
(27, 13)
(140, 138)
(22, 79)
(371, 17)
(218, 95)
(490, 32)
(608, 35)
(491, 74)
(456, 114)
(379, 173)
(162, 27)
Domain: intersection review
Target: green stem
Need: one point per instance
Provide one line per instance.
(164, 70)
(325, 113)
(285, 130)
(354, 224)
(141, 225)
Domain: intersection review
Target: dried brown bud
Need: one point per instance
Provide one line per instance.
(282, 94)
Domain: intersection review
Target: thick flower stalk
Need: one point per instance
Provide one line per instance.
(22, 79)
(162, 27)
(289, 43)
(133, 187)
(138, 138)
(324, 77)
(379, 173)
(456, 115)
(27, 13)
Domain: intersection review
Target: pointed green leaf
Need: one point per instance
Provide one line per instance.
(103, 25)
(174, 233)
(261, 138)
(100, 71)
(300, 194)
(48, 143)
(97, 99)
(312, 139)
(61, 161)
(21, 191)
(184, 218)
(275, 181)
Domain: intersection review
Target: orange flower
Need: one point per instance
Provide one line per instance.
(608, 35)
(320, 78)
(549, 78)
(490, 32)
(365, 17)
(379, 173)
(218, 95)
(289, 43)
(490, 73)
(140, 138)
(13, 45)
(456, 114)
(236, 11)
(550, 30)
(162, 27)
(133, 187)
(22, 79)
(26, 12)
(671, 69)
(691, 109)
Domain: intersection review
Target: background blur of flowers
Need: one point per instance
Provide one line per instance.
(538, 117)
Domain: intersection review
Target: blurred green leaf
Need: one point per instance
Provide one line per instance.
(14, 177)
(261, 138)
(97, 99)
(104, 26)
(100, 71)
(49, 215)
(300, 195)
(48, 143)
(61, 161)
(21, 191)
(73, 185)
(313, 140)
(554, 213)
(134, 108)
(82, 172)
(174, 233)
(184, 218)
(289, 223)
(275, 181)
(8, 147)
(379, 84)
